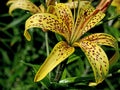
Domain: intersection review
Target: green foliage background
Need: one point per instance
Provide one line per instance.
(20, 59)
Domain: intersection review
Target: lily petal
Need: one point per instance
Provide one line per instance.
(97, 59)
(46, 21)
(64, 13)
(22, 4)
(72, 4)
(10, 2)
(84, 10)
(95, 18)
(59, 53)
(88, 17)
(51, 2)
(105, 39)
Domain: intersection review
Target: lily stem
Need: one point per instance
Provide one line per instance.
(46, 42)
(47, 49)
(59, 71)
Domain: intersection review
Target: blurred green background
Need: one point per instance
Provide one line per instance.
(20, 59)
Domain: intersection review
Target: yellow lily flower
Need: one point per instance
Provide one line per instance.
(62, 22)
(27, 5)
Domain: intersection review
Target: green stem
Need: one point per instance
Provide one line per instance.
(60, 70)
(47, 49)
(46, 42)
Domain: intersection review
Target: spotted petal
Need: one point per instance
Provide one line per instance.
(64, 13)
(84, 10)
(72, 4)
(50, 2)
(94, 19)
(97, 59)
(46, 21)
(22, 4)
(105, 39)
(88, 17)
(59, 53)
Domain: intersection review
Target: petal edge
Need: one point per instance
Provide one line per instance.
(59, 53)
(97, 59)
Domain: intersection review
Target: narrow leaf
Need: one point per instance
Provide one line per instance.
(59, 53)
